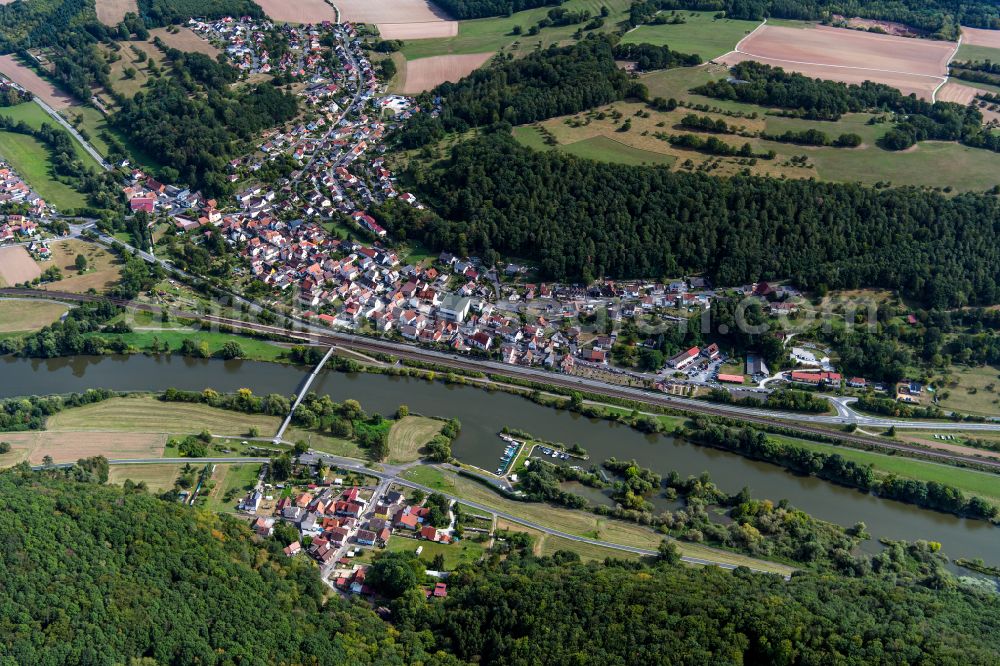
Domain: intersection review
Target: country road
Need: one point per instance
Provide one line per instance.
(391, 476)
(76, 135)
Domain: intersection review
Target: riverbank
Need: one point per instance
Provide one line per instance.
(483, 414)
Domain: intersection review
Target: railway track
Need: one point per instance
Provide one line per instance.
(350, 341)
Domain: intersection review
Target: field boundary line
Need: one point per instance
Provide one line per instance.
(823, 64)
(954, 53)
(736, 49)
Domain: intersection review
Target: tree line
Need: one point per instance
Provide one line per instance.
(916, 120)
(552, 82)
(833, 467)
(470, 9)
(938, 19)
(581, 219)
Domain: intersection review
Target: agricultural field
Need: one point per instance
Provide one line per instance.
(72, 445)
(180, 38)
(409, 435)
(600, 148)
(27, 315)
(496, 33)
(302, 11)
(426, 73)
(103, 267)
(420, 30)
(18, 72)
(572, 522)
(979, 44)
(960, 93)
(111, 12)
(158, 478)
(146, 414)
(30, 158)
(701, 33)
(391, 12)
(968, 169)
(912, 65)
(17, 266)
(972, 390)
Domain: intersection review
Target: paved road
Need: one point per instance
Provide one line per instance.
(76, 135)
(390, 475)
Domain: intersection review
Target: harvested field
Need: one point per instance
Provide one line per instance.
(158, 478)
(146, 414)
(111, 12)
(390, 11)
(299, 11)
(184, 40)
(425, 73)
(17, 266)
(962, 94)
(849, 56)
(103, 268)
(23, 75)
(71, 446)
(421, 30)
(409, 435)
(18, 315)
(981, 37)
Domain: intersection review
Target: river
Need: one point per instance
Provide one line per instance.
(483, 414)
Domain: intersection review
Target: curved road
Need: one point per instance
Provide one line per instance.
(392, 475)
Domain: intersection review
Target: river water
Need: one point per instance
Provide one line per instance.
(483, 414)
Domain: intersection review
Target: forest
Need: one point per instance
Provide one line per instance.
(648, 57)
(817, 99)
(141, 580)
(582, 219)
(630, 613)
(196, 136)
(471, 9)
(544, 84)
(157, 13)
(95, 574)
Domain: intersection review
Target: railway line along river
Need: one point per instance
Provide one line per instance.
(483, 414)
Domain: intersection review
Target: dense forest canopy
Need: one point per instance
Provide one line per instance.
(557, 611)
(195, 136)
(101, 575)
(582, 219)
